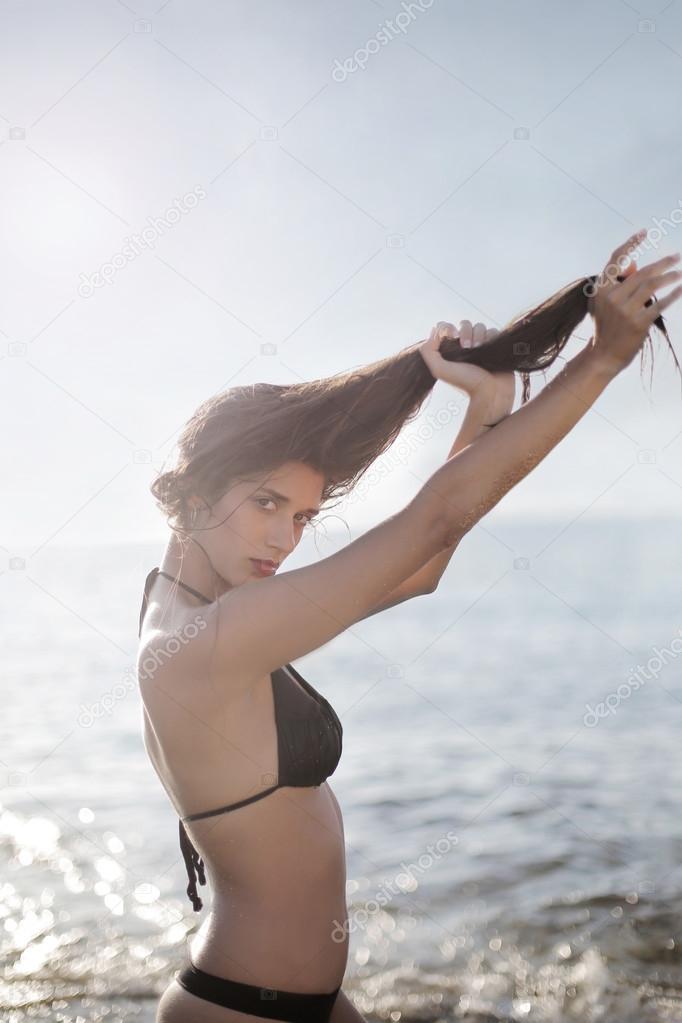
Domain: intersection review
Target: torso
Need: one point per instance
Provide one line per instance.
(276, 867)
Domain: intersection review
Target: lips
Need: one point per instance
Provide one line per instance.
(264, 567)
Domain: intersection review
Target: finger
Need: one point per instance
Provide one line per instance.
(429, 352)
(628, 279)
(466, 333)
(438, 330)
(646, 290)
(647, 276)
(445, 329)
(657, 307)
(479, 333)
(627, 246)
(432, 344)
(491, 333)
(617, 264)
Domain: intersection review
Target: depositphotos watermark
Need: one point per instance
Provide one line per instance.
(659, 230)
(610, 704)
(136, 243)
(650, 241)
(414, 437)
(404, 881)
(146, 670)
(398, 25)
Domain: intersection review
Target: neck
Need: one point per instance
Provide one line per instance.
(186, 561)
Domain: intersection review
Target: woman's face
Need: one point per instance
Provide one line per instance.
(251, 522)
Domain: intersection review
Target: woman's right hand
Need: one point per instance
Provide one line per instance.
(622, 319)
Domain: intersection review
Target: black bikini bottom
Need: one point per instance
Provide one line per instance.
(258, 1001)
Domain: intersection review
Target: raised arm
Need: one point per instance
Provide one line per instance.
(474, 480)
(263, 624)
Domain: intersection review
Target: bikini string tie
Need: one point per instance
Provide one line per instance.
(195, 865)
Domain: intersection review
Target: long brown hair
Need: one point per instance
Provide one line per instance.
(340, 424)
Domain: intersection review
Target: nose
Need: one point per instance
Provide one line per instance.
(282, 541)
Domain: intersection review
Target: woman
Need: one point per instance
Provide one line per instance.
(241, 742)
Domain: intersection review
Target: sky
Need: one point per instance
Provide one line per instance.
(201, 194)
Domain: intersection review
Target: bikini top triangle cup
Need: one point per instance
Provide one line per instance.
(309, 743)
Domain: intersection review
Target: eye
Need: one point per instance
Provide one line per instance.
(264, 499)
(308, 518)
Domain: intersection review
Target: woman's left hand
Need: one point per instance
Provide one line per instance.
(495, 391)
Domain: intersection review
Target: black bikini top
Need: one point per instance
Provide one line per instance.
(309, 742)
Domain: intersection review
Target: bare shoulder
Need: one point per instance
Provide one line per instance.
(261, 625)
(264, 624)
(172, 655)
(176, 669)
